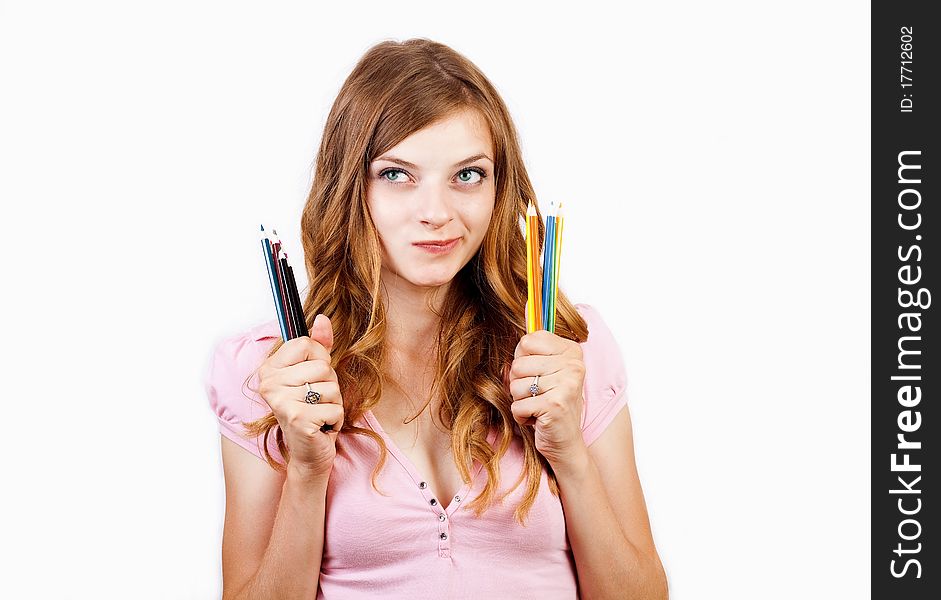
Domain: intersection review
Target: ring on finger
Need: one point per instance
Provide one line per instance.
(313, 396)
(534, 388)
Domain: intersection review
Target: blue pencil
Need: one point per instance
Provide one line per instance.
(548, 264)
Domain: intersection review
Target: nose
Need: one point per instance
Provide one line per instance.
(434, 207)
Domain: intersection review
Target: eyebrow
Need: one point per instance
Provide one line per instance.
(405, 163)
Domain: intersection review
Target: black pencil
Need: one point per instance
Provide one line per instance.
(300, 320)
(291, 304)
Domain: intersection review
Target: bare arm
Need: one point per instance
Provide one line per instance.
(272, 541)
(606, 520)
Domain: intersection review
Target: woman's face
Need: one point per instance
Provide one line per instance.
(435, 186)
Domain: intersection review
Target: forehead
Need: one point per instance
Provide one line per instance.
(450, 139)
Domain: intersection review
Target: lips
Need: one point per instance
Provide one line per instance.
(437, 246)
(436, 242)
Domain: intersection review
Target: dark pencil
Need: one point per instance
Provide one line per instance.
(290, 305)
(300, 320)
(282, 289)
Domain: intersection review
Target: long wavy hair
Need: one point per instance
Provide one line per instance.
(395, 90)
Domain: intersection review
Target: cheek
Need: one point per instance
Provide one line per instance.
(479, 216)
(383, 216)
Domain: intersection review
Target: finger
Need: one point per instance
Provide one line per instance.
(316, 416)
(535, 364)
(520, 388)
(281, 397)
(539, 342)
(309, 371)
(284, 399)
(322, 331)
(525, 411)
(298, 350)
(329, 393)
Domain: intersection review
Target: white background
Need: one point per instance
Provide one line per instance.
(714, 161)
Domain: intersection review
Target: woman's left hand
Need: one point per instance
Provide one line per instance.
(556, 410)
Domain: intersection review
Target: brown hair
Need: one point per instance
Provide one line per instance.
(396, 89)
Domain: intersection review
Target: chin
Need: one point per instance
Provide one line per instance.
(429, 279)
(429, 282)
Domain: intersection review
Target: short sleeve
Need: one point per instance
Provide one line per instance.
(605, 376)
(230, 383)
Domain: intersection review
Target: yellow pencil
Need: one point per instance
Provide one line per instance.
(533, 276)
(529, 274)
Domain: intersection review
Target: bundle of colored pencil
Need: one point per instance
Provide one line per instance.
(542, 283)
(287, 302)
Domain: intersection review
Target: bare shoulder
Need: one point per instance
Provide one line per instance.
(252, 494)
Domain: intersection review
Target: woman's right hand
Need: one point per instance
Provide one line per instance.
(282, 378)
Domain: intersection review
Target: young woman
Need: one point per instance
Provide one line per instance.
(467, 458)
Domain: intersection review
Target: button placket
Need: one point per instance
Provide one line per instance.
(444, 532)
(444, 536)
(444, 527)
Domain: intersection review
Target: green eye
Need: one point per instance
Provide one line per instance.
(394, 173)
(470, 176)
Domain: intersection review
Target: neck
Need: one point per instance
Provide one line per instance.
(411, 319)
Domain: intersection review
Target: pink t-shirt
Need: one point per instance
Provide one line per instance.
(405, 545)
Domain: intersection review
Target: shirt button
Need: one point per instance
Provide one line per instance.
(457, 498)
(443, 536)
(434, 502)
(422, 485)
(441, 517)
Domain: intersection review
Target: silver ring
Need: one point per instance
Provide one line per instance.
(534, 388)
(313, 396)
